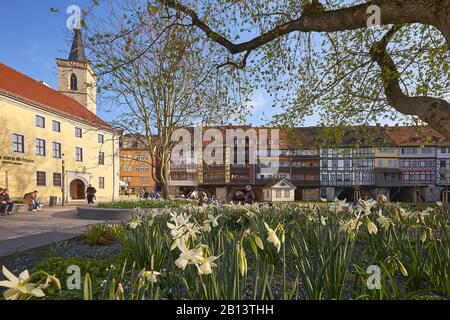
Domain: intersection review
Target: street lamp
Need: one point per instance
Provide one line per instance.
(63, 180)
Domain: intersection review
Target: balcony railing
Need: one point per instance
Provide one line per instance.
(213, 181)
(214, 168)
(239, 168)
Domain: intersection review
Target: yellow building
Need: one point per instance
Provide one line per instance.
(53, 141)
(387, 157)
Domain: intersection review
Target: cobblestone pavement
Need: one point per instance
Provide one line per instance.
(23, 231)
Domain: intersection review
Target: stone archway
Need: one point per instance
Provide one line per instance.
(77, 190)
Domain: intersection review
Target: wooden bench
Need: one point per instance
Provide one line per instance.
(20, 208)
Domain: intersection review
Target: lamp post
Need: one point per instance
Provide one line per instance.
(63, 181)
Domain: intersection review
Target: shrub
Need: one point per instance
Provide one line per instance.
(147, 204)
(102, 235)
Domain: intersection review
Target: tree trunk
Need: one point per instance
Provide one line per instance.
(434, 111)
(165, 181)
(165, 191)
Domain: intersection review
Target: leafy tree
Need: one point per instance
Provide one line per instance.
(323, 56)
(158, 76)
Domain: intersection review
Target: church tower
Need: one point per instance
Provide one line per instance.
(76, 78)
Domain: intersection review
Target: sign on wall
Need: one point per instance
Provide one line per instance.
(18, 161)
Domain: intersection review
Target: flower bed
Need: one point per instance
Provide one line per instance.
(332, 251)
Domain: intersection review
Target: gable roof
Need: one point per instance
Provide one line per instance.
(274, 183)
(20, 87)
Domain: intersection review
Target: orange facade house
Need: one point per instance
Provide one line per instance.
(135, 166)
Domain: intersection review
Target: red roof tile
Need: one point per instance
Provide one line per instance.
(21, 87)
(414, 136)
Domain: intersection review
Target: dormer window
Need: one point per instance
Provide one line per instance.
(73, 82)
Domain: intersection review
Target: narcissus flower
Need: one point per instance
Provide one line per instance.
(19, 287)
(384, 221)
(206, 266)
(136, 222)
(339, 206)
(366, 206)
(372, 228)
(193, 256)
(51, 280)
(150, 276)
(273, 238)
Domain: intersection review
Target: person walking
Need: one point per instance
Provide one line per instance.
(90, 191)
(249, 195)
(6, 204)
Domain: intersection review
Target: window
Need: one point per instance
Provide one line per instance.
(57, 180)
(41, 179)
(335, 163)
(18, 143)
(101, 158)
(145, 180)
(40, 122)
(347, 163)
(56, 126)
(278, 194)
(101, 182)
(79, 154)
(73, 82)
(78, 133)
(287, 194)
(40, 147)
(101, 138)
(392, 163)
(56, 150)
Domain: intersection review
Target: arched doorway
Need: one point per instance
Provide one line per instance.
(77, 190)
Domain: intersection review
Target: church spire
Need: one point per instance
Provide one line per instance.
(77, 51)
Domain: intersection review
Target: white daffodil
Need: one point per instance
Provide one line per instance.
(150, 276)
(49, 281)
(192, 229)
(19, 287)
(207, 226)
(426, 212)
(323, 220)
(136, 222)
(406, 214)
(354, 224)
(176, 230)
(339, 206)
(384, 221)
(206, 266)
(439, 204)
(273, 238)
(372, 228)
(366, 206)
(193, 256)
(323, 200)
(214, 220)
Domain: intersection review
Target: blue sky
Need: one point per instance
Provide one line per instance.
(33, 37)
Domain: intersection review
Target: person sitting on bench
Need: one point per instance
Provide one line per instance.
(6, 204)
(31, 200)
